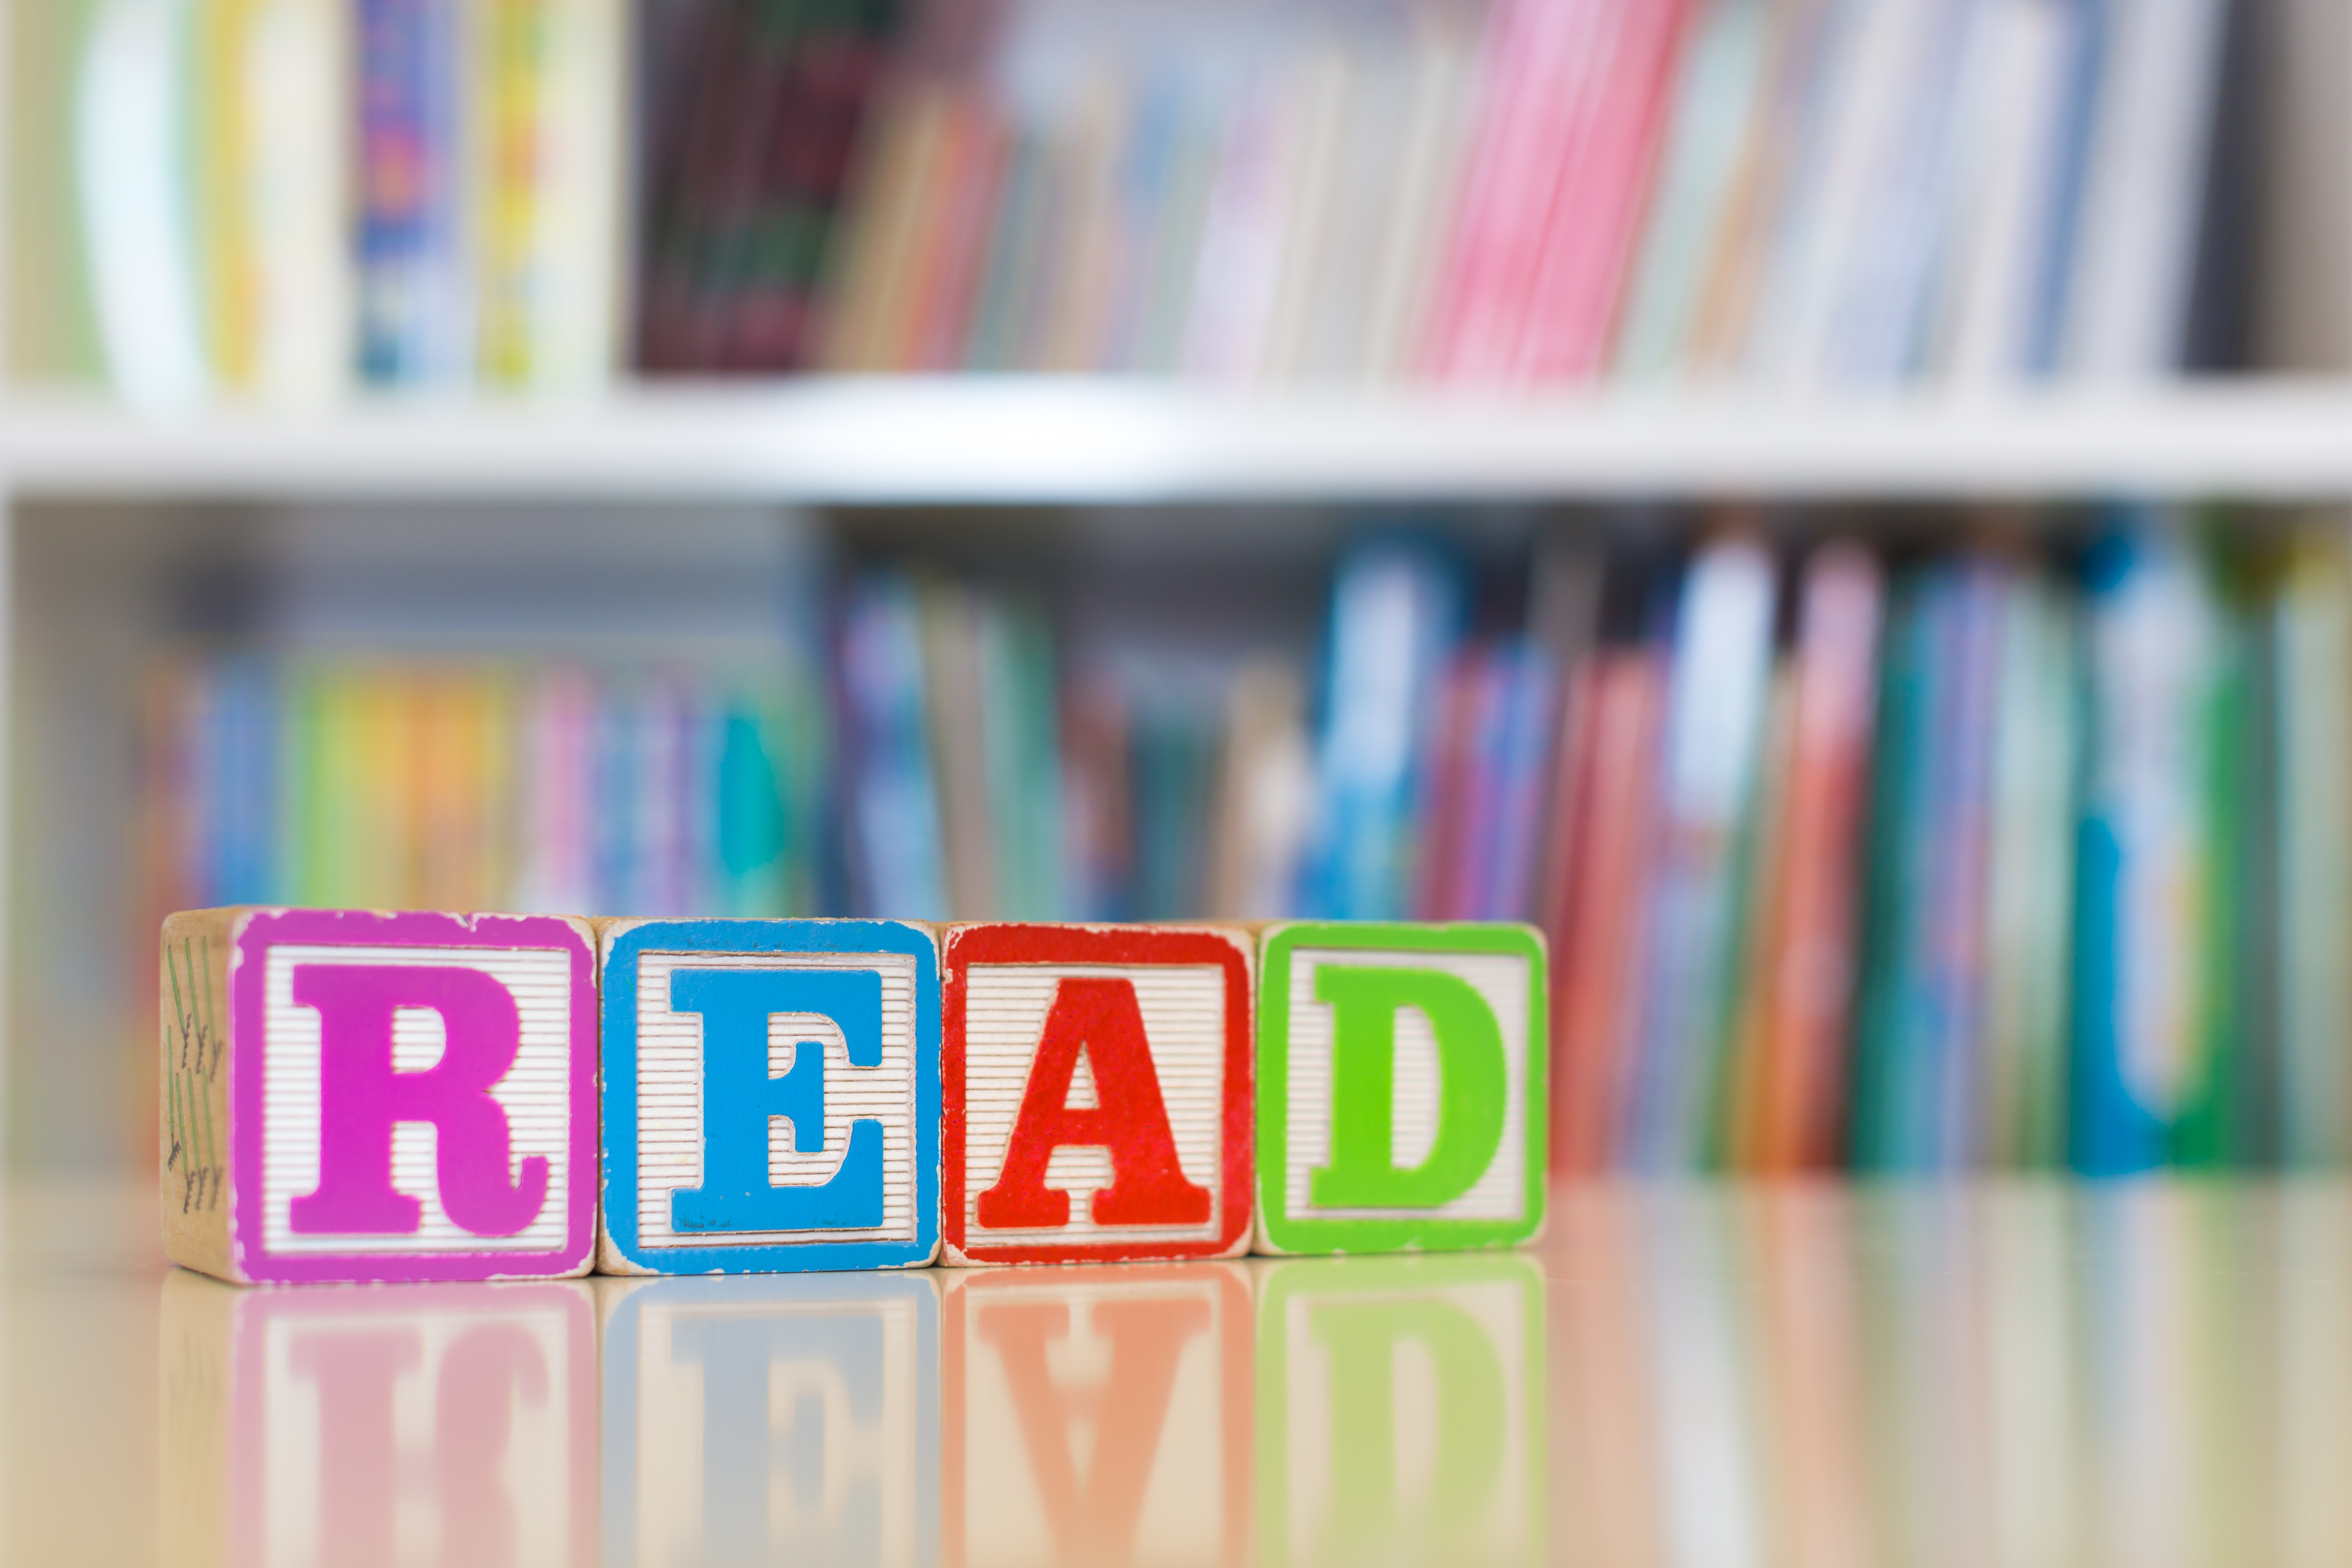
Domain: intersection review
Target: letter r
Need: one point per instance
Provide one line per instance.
(361, 1097)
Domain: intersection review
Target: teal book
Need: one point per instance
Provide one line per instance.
(2030, 875)
(1894, 894)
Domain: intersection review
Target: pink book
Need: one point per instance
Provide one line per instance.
(972, 154)
(1543, 59)
(1809, 984)
(1573, 306)
(1599, 920)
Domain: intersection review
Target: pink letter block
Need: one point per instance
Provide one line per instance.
(357, 1096)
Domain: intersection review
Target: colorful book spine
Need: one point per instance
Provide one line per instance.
(414, 250)
(2030, 874)
(1715, 713)
(1393, 611)
(2143, 1062)
(1594, 218)
(898, 860)
(1920, 1090)
(545, 154)
(1812, 963)
(1603, 925)
(2310, 628)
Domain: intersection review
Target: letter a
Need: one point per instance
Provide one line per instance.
(1101, 1017)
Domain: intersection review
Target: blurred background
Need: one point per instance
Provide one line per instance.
(1831, 507)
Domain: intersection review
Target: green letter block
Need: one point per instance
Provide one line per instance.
(1400, 1074)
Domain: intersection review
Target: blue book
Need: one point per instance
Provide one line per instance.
(1502, 819)
(412, 277)
(238, 782)
(1395, 613)
(897, 848)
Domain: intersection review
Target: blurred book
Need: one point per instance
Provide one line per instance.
(1805, 958)
(1394, 610)
(2310, 630)
(2151, 1048)
(1718, 685)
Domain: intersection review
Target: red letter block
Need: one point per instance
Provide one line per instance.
(1098, 1092)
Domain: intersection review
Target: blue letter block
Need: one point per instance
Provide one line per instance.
(714, 1162)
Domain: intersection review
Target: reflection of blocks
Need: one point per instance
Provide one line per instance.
(772, 1096)
(1099, 1415)
(1098, 1092)
(353, 1096)
(401, 1422)
(1401, 1411)
(1401, 1087)
(782, 1420)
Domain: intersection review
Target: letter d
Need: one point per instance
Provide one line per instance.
(1473, 1084)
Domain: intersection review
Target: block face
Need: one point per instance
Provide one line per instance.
(1401, 1100)
(1098, 1093)
(1402, 1412)
(772, 1420)
(772, 1096)
(1097, 1416)
(413, 1096)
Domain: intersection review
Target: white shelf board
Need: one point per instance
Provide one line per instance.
(1078, 440)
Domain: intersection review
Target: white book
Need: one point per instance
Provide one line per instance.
(131, 174)
(1826, 208)
(577, 241)
(1322, 90)
(2127, 297)
(1432, 115)
(1881, 306)
(294, 167)
(2011, 120)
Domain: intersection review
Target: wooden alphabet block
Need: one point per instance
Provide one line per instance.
(1098, 1092)
(1401, 1087)
(363, 1095)
(772, 1096)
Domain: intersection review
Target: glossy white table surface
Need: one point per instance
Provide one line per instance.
(2017, 1373)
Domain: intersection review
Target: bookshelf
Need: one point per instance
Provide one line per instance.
(1080, 440)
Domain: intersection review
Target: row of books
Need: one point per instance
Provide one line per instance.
(450, 784)
(1990, 857)
(1786, 192)
(277, 197)
(1912, 860)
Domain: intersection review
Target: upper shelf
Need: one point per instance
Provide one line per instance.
(1046, 440)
